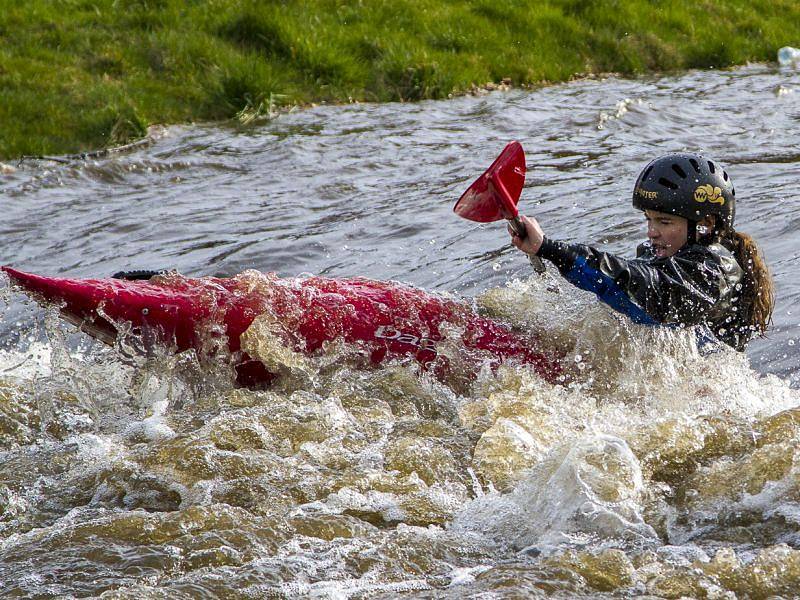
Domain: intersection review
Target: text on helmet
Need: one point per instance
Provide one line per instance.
(645, 194)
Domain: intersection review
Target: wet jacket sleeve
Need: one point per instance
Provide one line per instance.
(681, 289)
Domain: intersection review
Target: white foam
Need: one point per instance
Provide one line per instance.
(588, 488)
(35, 361)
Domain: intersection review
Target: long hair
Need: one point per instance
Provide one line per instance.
(758, 289)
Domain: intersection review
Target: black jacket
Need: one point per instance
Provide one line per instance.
(698, 285)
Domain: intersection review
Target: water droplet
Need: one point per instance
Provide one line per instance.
(496, 266)
(791, 342)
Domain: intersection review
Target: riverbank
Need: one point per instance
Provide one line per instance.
(78, 75)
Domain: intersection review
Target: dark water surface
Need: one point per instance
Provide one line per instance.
(655, 472)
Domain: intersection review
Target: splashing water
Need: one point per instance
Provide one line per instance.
(653, 470)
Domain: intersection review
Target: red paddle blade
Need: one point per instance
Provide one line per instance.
(495, 194)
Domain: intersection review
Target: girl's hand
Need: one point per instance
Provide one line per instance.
(533, 241)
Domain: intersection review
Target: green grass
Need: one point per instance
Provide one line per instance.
(77, 75)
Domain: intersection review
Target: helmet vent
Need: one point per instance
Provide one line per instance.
(667, 183)
(646, 172)
(725, 175)
(681, 173)
(711, 166)
(695, 164)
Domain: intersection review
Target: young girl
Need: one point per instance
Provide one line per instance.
(694, 270)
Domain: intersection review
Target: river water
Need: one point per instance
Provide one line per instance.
(655, 471)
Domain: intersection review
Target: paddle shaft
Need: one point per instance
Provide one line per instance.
(516, 224)
(518, 227)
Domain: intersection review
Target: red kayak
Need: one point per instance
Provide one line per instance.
(385, 319)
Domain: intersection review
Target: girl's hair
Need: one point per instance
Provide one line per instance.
(758, 290)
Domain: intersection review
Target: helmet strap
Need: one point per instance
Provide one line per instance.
(691, 232)
(701, 234)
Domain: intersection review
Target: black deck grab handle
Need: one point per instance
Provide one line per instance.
(140, 275)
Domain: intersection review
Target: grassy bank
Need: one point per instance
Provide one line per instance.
(84, 74)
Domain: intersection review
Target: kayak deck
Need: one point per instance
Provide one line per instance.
(387, 319)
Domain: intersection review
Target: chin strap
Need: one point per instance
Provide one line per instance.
(691, 232)
(697, 234)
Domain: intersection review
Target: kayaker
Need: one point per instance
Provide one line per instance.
(695, 269)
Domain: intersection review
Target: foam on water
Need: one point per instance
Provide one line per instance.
(652, 469)
(626, 476)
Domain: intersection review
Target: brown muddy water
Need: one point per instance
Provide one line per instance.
(655, 472)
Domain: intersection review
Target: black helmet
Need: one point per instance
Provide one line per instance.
(688, 185)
